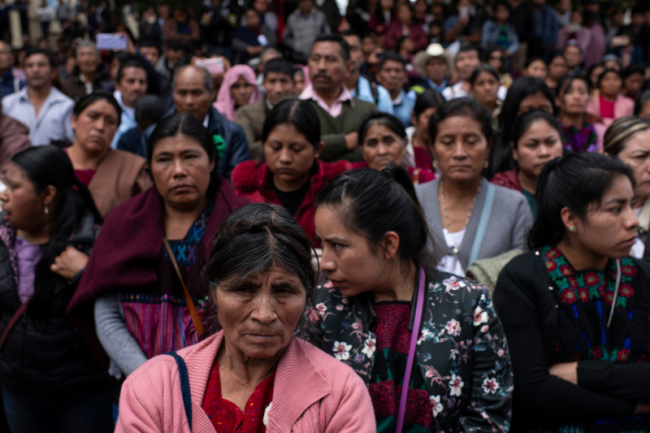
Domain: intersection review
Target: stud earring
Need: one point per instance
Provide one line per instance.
(572, 228)
(47, 211)
(487, 164)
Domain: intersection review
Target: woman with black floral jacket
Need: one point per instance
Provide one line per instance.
(364, 315)
(576, 308)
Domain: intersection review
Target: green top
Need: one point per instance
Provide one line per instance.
(532, 202)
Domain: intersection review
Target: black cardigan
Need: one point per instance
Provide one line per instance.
(527, 311)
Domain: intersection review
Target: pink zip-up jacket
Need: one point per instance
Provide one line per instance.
(314, 393)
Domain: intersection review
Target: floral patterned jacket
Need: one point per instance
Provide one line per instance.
(462, 350)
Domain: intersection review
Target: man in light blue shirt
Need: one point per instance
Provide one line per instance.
(391, 74)
(39, 105)
(130, 85)
(359, 85)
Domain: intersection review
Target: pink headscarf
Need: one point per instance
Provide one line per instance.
(305, 72)
(225, 103)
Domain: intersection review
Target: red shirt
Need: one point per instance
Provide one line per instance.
(423, 158)
(85, 176)
(606, 108)
(226, 417)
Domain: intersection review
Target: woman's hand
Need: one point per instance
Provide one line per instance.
(565, 370)
(69, 263)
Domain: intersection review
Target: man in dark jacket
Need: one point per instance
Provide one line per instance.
(191, 93)
(89, 74)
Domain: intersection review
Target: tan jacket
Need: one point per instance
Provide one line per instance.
(14, 137)
(251, 117)
(120, 176)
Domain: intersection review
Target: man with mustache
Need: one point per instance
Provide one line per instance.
(339, 113)
(40, 106)
(277, 84)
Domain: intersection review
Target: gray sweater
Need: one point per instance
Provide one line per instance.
(301, 31)
(508, 227)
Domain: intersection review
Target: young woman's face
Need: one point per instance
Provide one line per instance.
(485, 88)
(382, 146)
(241, 91)
(636, 154)
(611, 84)
(460, 148)
(24, 209)
(298, 83)
(259, 316)
(538, 145)
(633, 84)
(574, 99)
(496, 60)
(404, 14)
(289, 155)
(557, 68)
(421, 122)
(181, 170)
(95, 127)
(348, 260)
(609, 230)
(537, 69)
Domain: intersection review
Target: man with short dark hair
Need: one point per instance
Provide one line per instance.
(150, 51)
(277, 84)
(130, 85)
(467, 60)
(192, 88)
(359, 85)
(40, 106)
(340, 114)
(391, 74)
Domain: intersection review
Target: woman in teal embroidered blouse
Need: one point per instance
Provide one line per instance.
(576, 308)
(374, 237)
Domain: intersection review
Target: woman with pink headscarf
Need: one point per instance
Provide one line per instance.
(239, 88)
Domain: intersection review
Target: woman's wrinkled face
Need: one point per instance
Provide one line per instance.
(609, 230)
(289, 155)
(538, 145)
(485, 88)
(636, 154)
(348, 260)
(575, 97)
(460, 148)
(382, 146)
(95, 127)
(24, 209)
(181, 171)
(536, 101)
(241, 91)
(259, 315)
(611, 84)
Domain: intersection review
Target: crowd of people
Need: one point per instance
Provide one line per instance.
(405, 216)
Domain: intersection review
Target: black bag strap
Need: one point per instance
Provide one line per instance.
(185, 386)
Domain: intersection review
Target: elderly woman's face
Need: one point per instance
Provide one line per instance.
(382, 146)
(181, 171)
(259, 316)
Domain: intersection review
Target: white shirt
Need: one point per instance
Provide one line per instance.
(456, 91)
(53, 121)
(638, 248)
(451, 263)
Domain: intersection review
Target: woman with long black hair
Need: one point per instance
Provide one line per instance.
(575, 308)
(51, 381)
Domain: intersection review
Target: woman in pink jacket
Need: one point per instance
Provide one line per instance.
(609, 103)
(253, 375)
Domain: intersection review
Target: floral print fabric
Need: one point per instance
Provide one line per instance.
(580, 140)
(462, 353)
(584, 300)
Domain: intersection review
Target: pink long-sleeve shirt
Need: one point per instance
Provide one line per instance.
(313, 393)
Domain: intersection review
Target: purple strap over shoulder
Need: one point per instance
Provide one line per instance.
(409, 363)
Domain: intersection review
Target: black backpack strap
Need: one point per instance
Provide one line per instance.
(375, 92)
(185, 386)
